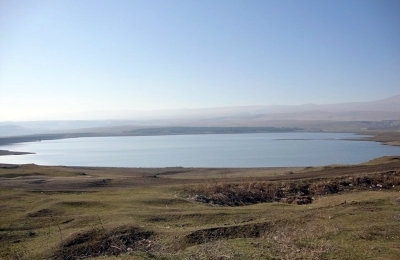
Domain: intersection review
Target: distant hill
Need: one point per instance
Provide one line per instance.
(378, 114)
(11, 129)
(384, 109)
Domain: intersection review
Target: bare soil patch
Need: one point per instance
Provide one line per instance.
(231, 232)
(300, 192)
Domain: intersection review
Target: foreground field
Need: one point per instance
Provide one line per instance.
(332, 212)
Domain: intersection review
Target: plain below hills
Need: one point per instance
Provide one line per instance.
(351, 116)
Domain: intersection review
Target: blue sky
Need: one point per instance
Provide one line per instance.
(63, 58)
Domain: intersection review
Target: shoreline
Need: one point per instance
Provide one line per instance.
(8, 152)
(391, 138)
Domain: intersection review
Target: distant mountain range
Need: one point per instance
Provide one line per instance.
(309, 116)
(383, 109)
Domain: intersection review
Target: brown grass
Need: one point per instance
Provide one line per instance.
(151, 213)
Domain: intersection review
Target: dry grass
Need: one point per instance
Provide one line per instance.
(155, 219)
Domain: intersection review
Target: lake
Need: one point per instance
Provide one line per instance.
(213, 150)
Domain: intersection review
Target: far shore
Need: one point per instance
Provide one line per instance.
(7, 152)
(385, 137)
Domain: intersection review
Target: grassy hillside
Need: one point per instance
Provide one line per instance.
(353, 212)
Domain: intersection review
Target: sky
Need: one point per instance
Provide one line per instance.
(68, 58)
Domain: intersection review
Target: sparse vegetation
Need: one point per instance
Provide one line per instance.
(72, 213)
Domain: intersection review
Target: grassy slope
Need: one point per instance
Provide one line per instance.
(45, 207)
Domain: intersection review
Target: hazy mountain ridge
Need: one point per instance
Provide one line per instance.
(308, 116)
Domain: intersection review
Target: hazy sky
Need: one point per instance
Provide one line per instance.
(59, 58)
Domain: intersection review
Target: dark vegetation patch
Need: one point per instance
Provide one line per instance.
(40, 181)
(199, 217)
(158, 219)
(169, 172)
(8, 166)
(300, 192)
(230, 232)
(163, 202)
(95, 243)
(80, 173)
(20, 174)
(99, 183)
(28, 174)
(12, 238)
(43, 213)
(82, 203)
(51, 192)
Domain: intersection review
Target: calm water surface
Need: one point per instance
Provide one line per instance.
(222, 150)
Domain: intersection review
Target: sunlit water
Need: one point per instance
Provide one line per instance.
(222, 150)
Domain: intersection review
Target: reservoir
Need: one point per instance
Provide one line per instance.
(207, 150)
